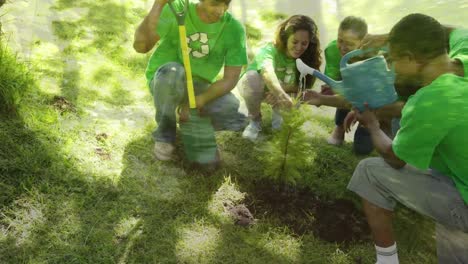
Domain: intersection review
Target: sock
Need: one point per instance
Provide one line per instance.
(387, 255)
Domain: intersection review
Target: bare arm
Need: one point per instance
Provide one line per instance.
(390, 111)
(374, 41)
(221, 87)
(274, 85)
(337, 101)
(382, 143)
(314, 98)
(145, 35)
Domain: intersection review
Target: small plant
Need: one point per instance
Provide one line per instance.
(339, 257)
(288, 152)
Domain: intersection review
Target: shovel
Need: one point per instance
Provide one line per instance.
(198, 135)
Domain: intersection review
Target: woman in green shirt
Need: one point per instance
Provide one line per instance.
(273, 75)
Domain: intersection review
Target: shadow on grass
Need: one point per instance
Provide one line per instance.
(109, 24)
(176, 224)
(54, 213)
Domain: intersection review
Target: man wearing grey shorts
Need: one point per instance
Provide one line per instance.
(425, 167)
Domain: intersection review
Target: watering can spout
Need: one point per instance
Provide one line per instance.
(305, 69)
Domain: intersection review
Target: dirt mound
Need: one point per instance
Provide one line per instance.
(303, 212)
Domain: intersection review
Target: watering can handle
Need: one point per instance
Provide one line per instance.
(355, 53)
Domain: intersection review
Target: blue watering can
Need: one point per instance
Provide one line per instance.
(368, 81)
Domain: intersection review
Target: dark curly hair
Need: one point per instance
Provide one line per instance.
(311, 56)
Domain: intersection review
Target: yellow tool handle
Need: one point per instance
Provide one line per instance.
(187, 66)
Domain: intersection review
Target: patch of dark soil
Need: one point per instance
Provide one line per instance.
(63, 105)
(240, 214)
(303, 212)
(102, 153)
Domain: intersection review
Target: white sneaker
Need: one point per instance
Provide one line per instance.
(163, 151)
(276, 120)
(252, 130)
(337, 137)
(334, 141)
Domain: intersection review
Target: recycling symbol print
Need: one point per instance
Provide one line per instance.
(288, 74)
(198, 45)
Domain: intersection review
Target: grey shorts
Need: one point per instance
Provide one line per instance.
(427, 192)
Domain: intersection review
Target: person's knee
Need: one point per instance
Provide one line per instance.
(369, 167)
(170, 70)
(254, 82)
(362, 148)
(169, 79)
(340, 116)
(362, 142)
(366, 163)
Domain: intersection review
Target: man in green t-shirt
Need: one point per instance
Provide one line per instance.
(216, 41)
(457, 43)
(425, 167)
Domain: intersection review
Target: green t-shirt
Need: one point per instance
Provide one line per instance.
(211, 46)
(434, 123)
(285, 67)
(332, 60)
(434, 129)
(459, 47)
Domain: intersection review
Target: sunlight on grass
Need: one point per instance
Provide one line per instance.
(21, 223)
(281, 243)
(126, 226)
(82, 185)
(197, 243)
(227, 194)
(163, 184)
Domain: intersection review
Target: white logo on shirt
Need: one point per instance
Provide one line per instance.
(198, 45)
(289, 73)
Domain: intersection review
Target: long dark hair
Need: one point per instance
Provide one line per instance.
(311, 56)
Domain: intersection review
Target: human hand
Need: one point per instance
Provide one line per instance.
(281, 100)
(200, 101)
(374, 41)
(326, 90)
(349, 121)
(285, 101)
(184, 113)
(312, 97)
(367, 118)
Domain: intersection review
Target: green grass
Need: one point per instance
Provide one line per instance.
(69, 194)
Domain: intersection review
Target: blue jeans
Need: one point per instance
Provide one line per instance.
(362, 144)
(169, 91)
